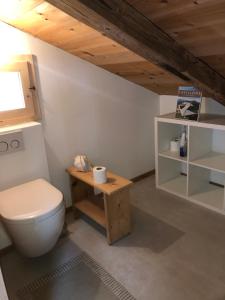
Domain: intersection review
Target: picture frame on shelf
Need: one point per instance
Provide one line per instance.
(188, 103)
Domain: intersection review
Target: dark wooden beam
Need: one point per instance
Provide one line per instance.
(121, 22)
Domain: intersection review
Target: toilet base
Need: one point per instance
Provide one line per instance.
(36, 238)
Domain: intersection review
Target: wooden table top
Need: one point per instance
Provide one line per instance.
(114, 182)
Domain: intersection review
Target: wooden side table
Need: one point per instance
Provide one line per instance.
(110, 209)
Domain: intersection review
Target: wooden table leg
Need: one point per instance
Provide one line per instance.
(117, 210)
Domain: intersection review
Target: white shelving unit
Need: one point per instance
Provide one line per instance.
(199, 177)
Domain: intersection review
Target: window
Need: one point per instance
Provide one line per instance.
(11, 98)
(18, 100)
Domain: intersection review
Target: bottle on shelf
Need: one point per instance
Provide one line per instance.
(183, 145)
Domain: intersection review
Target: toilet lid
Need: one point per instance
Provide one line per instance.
(30, 200)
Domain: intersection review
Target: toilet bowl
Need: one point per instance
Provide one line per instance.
(33, 215)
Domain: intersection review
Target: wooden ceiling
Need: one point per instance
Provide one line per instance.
(198, 25)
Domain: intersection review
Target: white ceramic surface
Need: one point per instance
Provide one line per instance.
(29, 200)
(33, 214)
(3, 294)
(39, 237)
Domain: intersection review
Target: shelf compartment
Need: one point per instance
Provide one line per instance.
(172, 155)
(211, 196)
(203, 188)
(171, 176)
(207, 147)
(212, 160)
(94, 209)
(176, 185)
(168, 132)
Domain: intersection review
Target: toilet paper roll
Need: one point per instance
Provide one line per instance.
(99, 174)
(174, 146)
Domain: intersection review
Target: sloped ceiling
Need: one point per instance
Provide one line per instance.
(198, 25)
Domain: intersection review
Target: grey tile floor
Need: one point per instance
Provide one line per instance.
(175, 252)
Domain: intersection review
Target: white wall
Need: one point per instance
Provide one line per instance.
(87, 110)
(28, 164)
(167, 104)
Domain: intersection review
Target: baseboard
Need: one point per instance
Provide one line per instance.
(142, 176)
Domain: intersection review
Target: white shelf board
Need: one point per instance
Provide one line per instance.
(211, 196)
(212, 160)
(172, 155)
(176, 185)
(206, 120)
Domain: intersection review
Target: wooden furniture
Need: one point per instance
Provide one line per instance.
(110, 209)
(200, 176)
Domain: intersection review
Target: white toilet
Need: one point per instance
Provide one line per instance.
(33, 214)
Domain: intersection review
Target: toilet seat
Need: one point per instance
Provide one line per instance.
(32, 202)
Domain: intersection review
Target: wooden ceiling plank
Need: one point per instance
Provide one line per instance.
(167, 14)
(218, 61)
(132, 70)
(97, 45)
(22, 8)
(166, 89)
(100, 60)
(160, 10)
(200, 34)
(121, 22)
